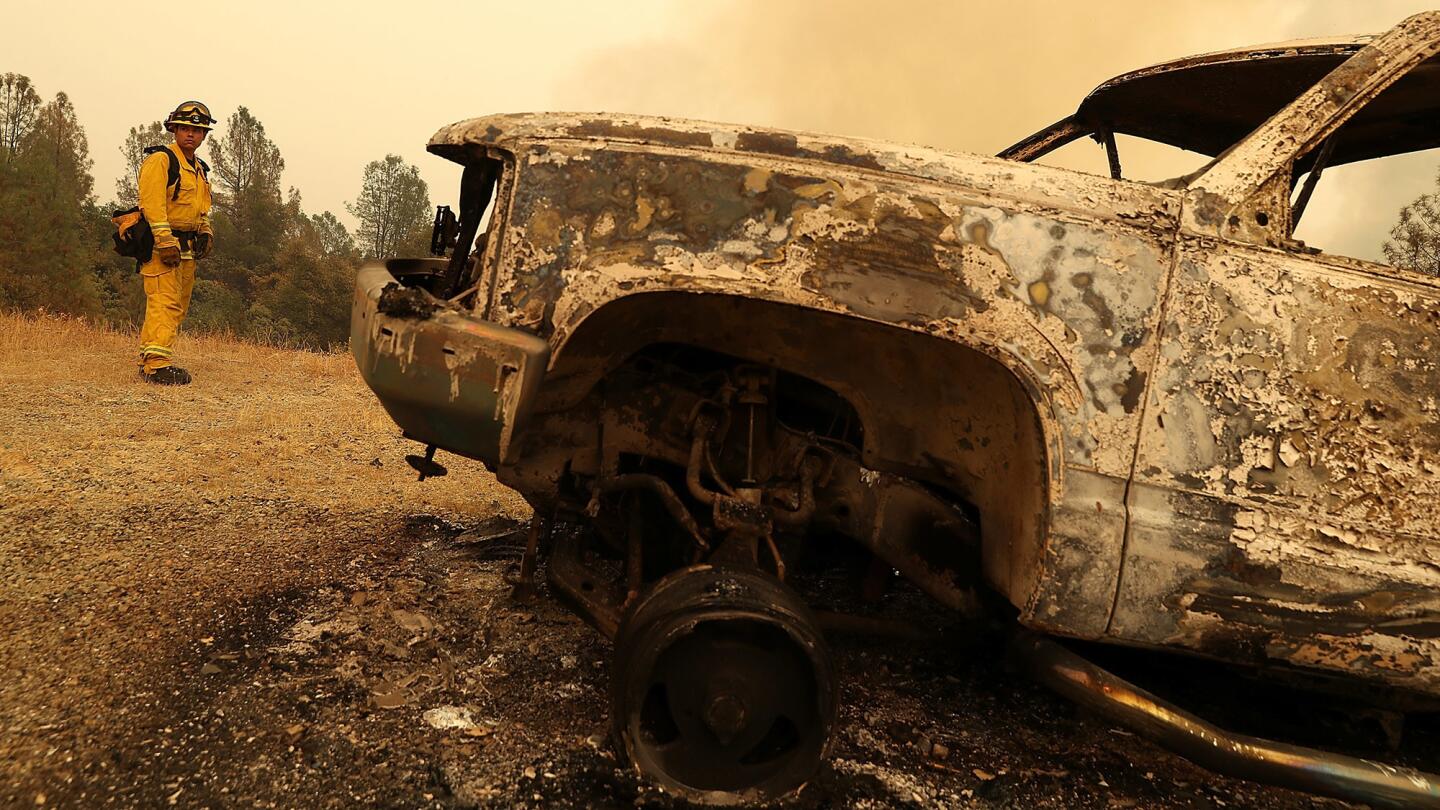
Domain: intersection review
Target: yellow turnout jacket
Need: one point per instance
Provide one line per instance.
(188, 211)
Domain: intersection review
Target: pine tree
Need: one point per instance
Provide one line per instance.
(393, 209)
(1415, 240)
(48, 241)
(250, 215)
(19, 107)
(127, 190)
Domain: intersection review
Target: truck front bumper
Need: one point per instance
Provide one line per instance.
(447, 378)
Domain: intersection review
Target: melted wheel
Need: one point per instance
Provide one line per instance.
(723, 691)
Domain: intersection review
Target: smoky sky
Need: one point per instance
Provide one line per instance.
(339, 84)
(976, 77)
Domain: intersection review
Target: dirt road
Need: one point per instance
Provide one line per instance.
(236, 595)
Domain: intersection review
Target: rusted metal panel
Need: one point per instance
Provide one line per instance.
(1284, 502)
(1009, 260)
(1288, 479)
(447, 378)
(1064, 302)
(524, 132)
(1082, 558)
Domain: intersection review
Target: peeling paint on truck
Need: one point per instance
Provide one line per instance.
(1179, 428)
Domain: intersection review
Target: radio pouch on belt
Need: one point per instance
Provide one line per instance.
(132, 236)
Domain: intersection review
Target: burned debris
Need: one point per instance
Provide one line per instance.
(1099, 409)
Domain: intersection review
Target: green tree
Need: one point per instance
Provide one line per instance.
(215, 307)
(250, 216)
(50, 242)
(393, 209)
(333, 238)
(127, 191)
(246, 160)
(1415, 240)
(308, 302)
(19, 107)
(323, 235)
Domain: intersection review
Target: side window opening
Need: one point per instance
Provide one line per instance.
(459, 265)
(1355, 210)
(1379, 199)
(1139, 159)
(466, 269)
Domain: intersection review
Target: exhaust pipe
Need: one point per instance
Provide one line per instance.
(1236, 755)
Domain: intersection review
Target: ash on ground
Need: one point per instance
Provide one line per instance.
(422, 681)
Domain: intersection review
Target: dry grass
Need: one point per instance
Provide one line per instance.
(132, 514)
(294, 423)
(107, 347)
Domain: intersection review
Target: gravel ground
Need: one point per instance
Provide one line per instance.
(236, 595)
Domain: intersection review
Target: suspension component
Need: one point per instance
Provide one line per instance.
(657, 485)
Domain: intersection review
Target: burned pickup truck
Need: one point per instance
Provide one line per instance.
(1136, 413)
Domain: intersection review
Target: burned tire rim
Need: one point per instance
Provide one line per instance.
(723, 691)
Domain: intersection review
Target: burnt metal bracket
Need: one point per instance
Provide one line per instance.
(1322, 159)
(523, 587)
(443, 232)
(1112, 153)
(594, 599)
(477, 185)
(427, 466)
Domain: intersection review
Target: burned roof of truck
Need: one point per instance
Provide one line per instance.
(467, 142)
(1207, 103)
(455, 141)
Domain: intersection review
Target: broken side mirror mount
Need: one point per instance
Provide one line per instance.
(477, 185)
(443, 233)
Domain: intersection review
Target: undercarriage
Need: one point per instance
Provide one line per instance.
(677, 534)
(685, 498)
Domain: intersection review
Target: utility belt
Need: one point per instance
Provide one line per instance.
(134, 239)
(189, 248)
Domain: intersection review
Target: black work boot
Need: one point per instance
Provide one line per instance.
(169, 375)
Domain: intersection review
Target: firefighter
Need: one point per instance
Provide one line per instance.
(177, 206)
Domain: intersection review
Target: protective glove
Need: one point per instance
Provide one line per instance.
(204, 243)
(169, 255)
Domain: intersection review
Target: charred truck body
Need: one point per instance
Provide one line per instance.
(1138, 413)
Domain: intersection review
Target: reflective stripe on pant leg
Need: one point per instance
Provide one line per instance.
(162, 315)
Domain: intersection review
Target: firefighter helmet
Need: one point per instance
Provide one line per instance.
(190, 113)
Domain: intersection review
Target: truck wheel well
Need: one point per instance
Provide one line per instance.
(932, 410)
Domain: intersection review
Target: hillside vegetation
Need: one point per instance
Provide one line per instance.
(278, 274)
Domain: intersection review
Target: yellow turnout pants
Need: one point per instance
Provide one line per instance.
(167, 299)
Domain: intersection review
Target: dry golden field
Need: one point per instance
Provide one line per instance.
(131, 513)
